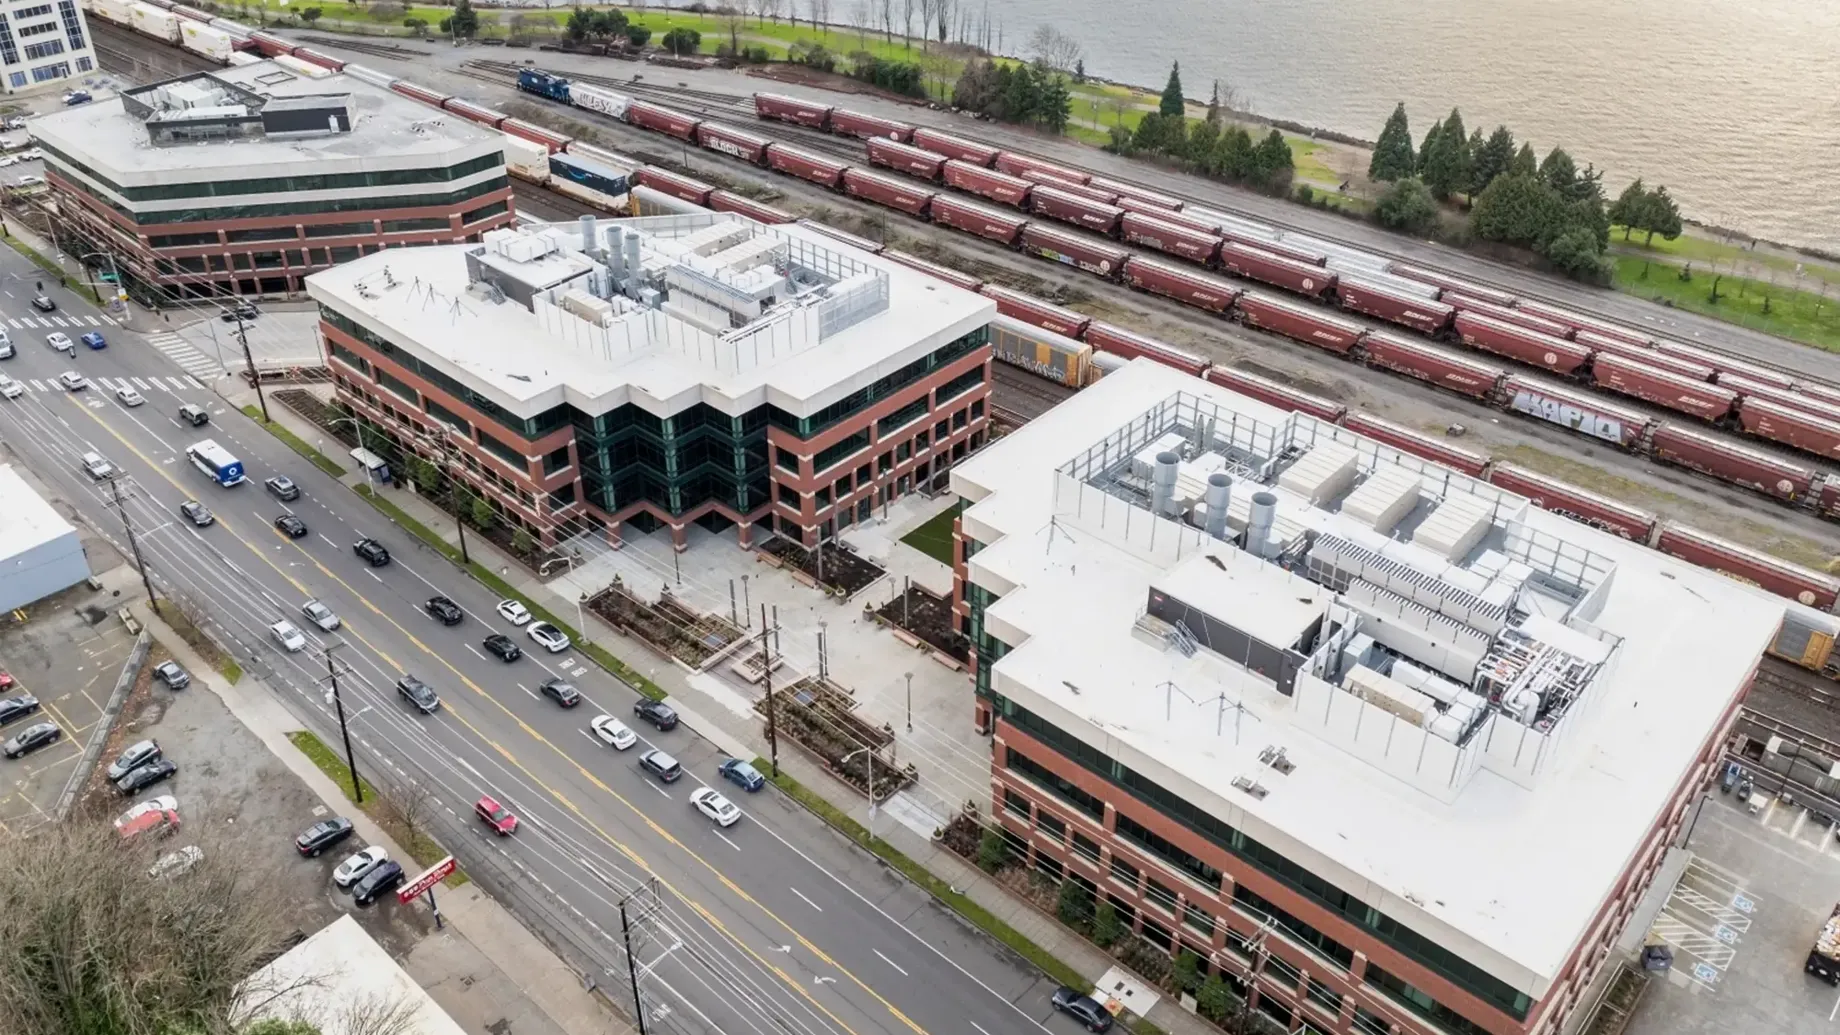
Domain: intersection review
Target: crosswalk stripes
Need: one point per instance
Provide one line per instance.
(181, 352)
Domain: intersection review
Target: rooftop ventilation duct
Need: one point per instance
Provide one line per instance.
(1163, 484)
(587, 234)
(1263, 514)
(633, 266)
(1219, 495)
(616, 253)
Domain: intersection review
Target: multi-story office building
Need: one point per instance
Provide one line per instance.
(1387, 747)
(246, 180)
(662, 371)
(43, 43)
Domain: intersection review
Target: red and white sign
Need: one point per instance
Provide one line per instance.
(428, 879)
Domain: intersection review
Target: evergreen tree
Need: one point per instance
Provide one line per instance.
(1491, 159)
(1588, 186)
(1079, 70)
(1272, 163)
(464, 23)
(1429, 144)
(1661, 215)
(1559, 172)
(1453, 125)
(1203, 139)
(1524, 164)
(1213, 111)
(1235, 154)
(1446, 169)
(1515, 210)
(1407, 205)
(1056, 105)
(1576, 253)
(1171, 103)
(1393, 155)
(1628, 211)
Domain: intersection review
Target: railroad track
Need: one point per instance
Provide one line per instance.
(1024, 394)
(389, 50)
(543, 198)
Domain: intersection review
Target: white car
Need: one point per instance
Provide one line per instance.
(549, 637)
(129, 396)
(289, 637)
(97, 466)
(61, 342)
(161, 803)
(30, 181)
(719, 809)
(31, 155)
(613, 733)
(73, 381)
(9, 161)
(321, 615)
(513, 612)
(10, 388)
(176, 863)
(355, 866)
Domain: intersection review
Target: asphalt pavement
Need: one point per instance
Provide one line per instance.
(771, 925)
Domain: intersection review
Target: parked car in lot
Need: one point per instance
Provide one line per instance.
(613, 733)
(377, 883)
(282, 488)
(742, 774)
(173, 675)
(495, 815)
(292, 526)
(561, 691)
(290, 638)
(372, 551)
(419, 694)
(358, 864)
(513, 612)
(145, 776)
(157, 803)
(710, 803)
(30, 739)
(175, 864)
(661, 765)
(657, 713)
(549, 637)
(135, 756)
(1091, 1014)
(444, 610)
(149, 822)
(321, 615)
(501, 647)
(12, 709)
(322, 835)
(197, 513)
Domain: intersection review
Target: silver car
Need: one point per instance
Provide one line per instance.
(355, 866)
(321, 615)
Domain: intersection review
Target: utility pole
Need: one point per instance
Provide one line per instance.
(134, 545)
(453, 494)
(910, 701)
(351, 762)
(766, 668)
(629, 923)
(249, 359)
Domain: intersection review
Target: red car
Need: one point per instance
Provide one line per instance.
(496, 816)
(7, 682)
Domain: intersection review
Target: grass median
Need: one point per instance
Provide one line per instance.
(296, 443)
(402, 822)
(195, 638)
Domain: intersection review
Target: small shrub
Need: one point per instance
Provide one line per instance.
(1215, 999)
(1106, 928)
(993, 853)
(1186, 973)
(1074, 906)
(522, 542)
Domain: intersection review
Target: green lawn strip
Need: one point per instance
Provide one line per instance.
(496, 584)
(422, 848)
(934, 536)
(1698, 248)
(195, 638)
(939, 889)
(296, 443)
(1802, 316)
(50, 266)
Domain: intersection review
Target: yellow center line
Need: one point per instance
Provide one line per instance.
(586, 774)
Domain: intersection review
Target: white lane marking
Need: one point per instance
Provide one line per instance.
(808, 902)
(527, 690)
(731, 844)
(329, 541)
(891, 963)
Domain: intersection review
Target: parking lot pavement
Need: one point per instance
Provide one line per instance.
(1741, 921)
(70, 664)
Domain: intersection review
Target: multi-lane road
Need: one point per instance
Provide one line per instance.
(773, 925)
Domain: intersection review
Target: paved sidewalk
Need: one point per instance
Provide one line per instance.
(716, 721)
(485, 968)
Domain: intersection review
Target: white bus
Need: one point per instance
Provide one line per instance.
(216, 461)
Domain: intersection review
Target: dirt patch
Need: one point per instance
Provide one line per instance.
(667, 627)
(1338, 391)
(927, 615)
(820, 717)
(836, 567)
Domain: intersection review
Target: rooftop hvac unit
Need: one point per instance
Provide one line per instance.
(1323, 473)
(1455, 527)
(1144, 461)
(1389, 696)
(1388, 495)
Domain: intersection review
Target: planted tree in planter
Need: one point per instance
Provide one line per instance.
(1075, 905)
(1106, 928)
(1215, 999)
(1186, 974)
(993, 853)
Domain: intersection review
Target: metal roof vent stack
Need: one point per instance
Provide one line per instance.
(1163, 485)
(1264, 513)
(616, 253)
(587, 234)
(634, 269)
(1219, 495)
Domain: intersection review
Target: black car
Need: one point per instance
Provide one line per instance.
(372, 551)
(43, 304)
(563, 693)
(31, 739)
(137, 755)
(293, 526)
(657, 713)
(445, 610)
(197, 513)
(385, 878)
(282, 488)
(1082, 1007)
(12, 709)
(322, 835)
(145, 776)
(419, 694)
(501, 647)
(173, 675)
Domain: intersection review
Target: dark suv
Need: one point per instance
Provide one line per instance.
(1082, 1007)
(372, 551)
(657, 713)
(386, 877)
(444, 610)
(419, 694)
(322, 835)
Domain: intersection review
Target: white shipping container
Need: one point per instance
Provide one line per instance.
(621, 204)
(299, 67)
(239, 58)
(115, 11)
(526, 159)
(236, 30)
(594, 98)
(151, 21)
(202, 39)
(370, 75)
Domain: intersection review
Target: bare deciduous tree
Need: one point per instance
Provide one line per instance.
(861, 18)
(1054, 48)
(774, 7)
(908, 7)
(411, 807)
(944, 14)
(76, 908)
(885, 8)
(366, 1013)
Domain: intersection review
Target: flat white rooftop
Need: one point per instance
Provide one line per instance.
(27, 521)
(1506, 873)
(388, 131)
(530, 360)
(341, 981)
